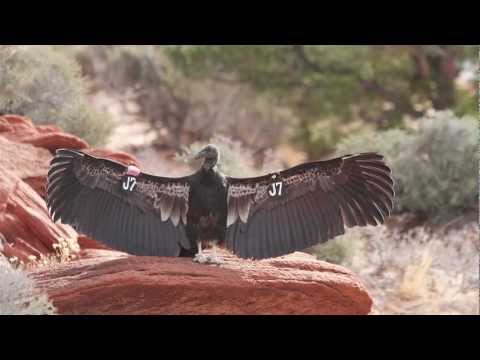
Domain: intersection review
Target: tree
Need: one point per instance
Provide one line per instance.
(179, 110)
(378, 85)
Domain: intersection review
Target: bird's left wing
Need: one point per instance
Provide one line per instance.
(291, 210)
(134, 212)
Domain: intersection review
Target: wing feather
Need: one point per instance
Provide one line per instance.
(278, 230)
(232, 211)
(166, 206)
(255, 236)
(297, 223)
(175, 215)
(272, 245)
(308, 221)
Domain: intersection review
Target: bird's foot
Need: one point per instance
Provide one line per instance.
(201, 258)
(214, 259)
(211, 259)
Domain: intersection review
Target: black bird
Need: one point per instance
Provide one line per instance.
(256, 217)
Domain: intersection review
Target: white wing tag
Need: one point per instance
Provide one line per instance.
(275, 189)
(129, 181)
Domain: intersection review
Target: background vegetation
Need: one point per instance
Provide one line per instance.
(342, 87)
(46, 86)
(435, 164)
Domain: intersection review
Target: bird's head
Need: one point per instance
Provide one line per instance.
(210, 154)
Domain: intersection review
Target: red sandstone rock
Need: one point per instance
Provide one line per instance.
(25, 154)
(11, 251)
(110, 282)
(88, 243)
(22, 130)
(15, 123)
(56, 141)
(119, 156)
(25, 223)
(38, 183)
(24, 160)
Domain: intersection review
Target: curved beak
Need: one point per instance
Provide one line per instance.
(199, 155)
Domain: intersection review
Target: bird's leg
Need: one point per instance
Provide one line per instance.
(214, 258)
(200, 257)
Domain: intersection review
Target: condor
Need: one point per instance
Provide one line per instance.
(257, 217)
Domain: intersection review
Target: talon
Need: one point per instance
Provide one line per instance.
(200, 258)
(214, 260)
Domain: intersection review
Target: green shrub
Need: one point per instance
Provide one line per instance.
(435, 166)
(139, 73)
(317, 139)
(18, 295)
(83, 121)
(336, 251)
(466, 103)
(46, 86)
(131, 66)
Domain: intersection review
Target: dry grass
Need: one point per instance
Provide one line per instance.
(18, 293)
(418, 272)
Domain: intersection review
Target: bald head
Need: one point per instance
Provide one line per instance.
(210, 154)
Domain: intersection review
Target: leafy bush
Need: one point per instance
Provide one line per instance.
(45, 85)
(466, 103)
(18, 295)
(131, 66)
(317, 139)
(435, 166)
(336, 251)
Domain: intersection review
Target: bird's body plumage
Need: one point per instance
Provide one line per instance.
(207, 207)
(257, 217)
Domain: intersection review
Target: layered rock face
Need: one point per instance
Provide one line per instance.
(110, 282)
(27, 232)
(98, 280)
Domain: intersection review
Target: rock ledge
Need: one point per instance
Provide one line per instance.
(111, 282)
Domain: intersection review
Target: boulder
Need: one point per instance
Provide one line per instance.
(26, 149)
(25, 225)
(111, 282)
(50, 137)
(86, 242)
(25, 154)
(119, 156)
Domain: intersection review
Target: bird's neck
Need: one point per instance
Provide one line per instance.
(209, 164)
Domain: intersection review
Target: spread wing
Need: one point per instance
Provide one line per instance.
(143, 215)
(280, 213)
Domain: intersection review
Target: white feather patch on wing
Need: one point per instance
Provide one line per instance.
(184, 211)
(232, 211)
(175, 216)
(166, 206)
(243, 208)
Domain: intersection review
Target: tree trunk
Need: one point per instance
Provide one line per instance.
(444, 73)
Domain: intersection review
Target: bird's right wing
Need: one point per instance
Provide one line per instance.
(142, 214)
(291, 210)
